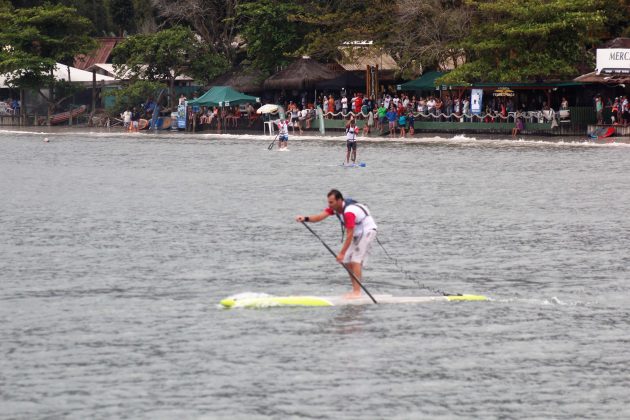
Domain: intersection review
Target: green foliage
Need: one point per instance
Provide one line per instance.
(271, 35)
(35, 39)
(123, 15)
(524, 40)
(617, 18)
(134, 95)
(334, 22)
(166, 55)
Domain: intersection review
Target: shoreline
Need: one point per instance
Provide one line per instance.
(333, 136)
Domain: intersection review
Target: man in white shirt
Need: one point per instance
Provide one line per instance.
(361, 232)
(126, 116)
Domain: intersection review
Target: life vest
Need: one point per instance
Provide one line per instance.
(351, 202)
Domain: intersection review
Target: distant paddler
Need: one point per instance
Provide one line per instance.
(361, 232)
(351, 141)
(283, 133)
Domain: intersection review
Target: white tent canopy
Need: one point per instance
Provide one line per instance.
(71, 74)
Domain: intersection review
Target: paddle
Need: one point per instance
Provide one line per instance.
(344, 265)
(273, 142)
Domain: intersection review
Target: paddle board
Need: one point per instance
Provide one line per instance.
(266, 301)
(354, 165)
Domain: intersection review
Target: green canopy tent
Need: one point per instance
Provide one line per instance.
(223, 96)
(426, 82)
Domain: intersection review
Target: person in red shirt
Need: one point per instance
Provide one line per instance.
(358, 104)
(361, 232)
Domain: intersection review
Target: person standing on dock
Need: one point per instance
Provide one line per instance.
(360, 233)
(392, 116)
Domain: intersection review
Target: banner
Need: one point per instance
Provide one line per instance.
(613, 60)
(181, 117)
(476, 97)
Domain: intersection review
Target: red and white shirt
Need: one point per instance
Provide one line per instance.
(355, 217)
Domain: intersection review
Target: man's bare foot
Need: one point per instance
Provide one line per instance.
(352, 295)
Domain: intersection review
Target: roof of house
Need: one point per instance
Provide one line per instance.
(603, 78)
(617, 43)
(301, 74)
(243, 80)
(100, 55)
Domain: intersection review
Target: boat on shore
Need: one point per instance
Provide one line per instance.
(62, 117)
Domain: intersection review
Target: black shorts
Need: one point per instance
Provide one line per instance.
(351, 145)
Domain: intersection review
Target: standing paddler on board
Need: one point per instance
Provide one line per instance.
(361, 232)
(283, 133)
(351, 141)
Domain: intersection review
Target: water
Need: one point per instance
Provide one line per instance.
(115, 250)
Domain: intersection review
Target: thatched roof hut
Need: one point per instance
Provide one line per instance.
(243, 80)
(603, 78)
(301, 74)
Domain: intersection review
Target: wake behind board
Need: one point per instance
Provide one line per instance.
(266, 301)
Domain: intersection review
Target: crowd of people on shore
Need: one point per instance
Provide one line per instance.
(619, 110)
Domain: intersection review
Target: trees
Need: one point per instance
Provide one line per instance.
(331, 23)
(271, 36)
(35, 40)
(134, 95)
(165, 55)
(521, 40)
(426, 34)
(214, 20)
(123, 15)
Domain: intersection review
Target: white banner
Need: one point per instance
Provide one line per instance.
(613, 60)
(476, 96)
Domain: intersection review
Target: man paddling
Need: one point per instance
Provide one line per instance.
(361, 232)
(351, 141)
(283, 133)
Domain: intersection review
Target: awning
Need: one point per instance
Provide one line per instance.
(70, 74)
(426, 82)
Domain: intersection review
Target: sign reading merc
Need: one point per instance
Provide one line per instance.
(613, 60)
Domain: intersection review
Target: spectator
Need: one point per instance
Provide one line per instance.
(382, 118)
(331, 105)
(402, 124)
(518, 125)
(599, 109)
(126, 117)
(392, 115)
(370, 121)
(411, 119)
(15, 105)
(466, 108)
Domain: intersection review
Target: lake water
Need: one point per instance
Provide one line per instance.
(116, 249)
